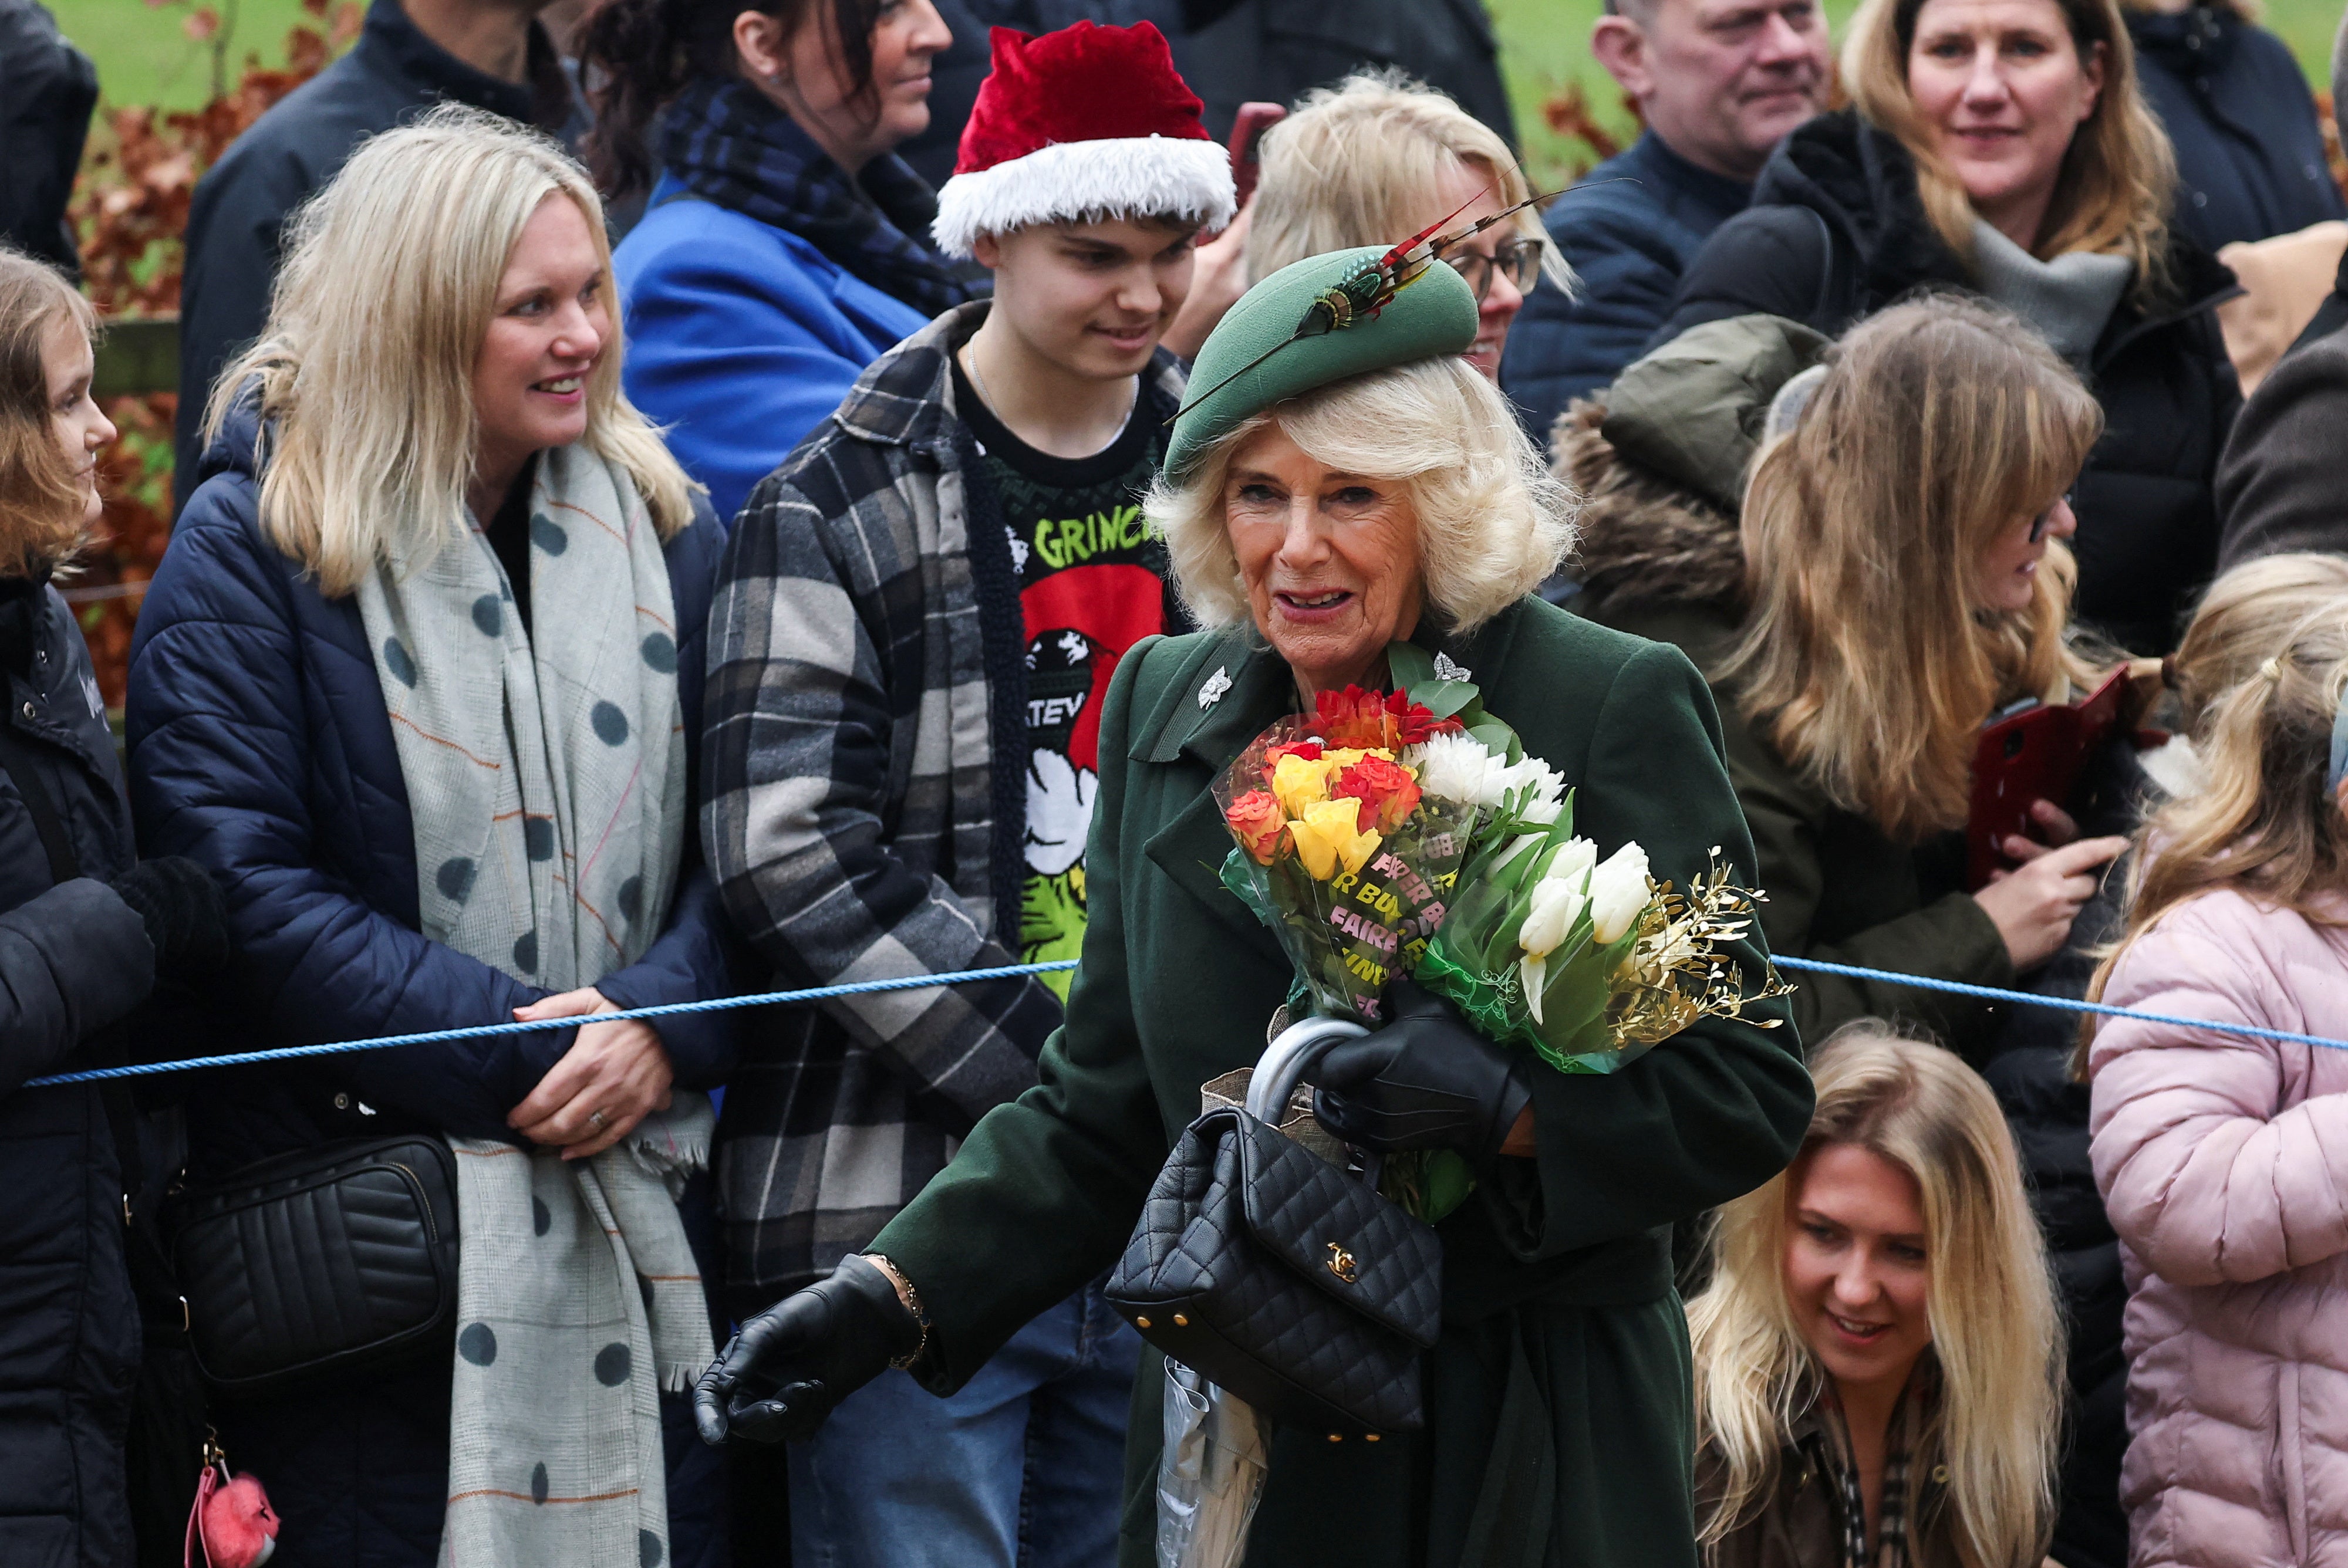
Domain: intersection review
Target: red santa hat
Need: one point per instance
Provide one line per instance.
(1085, 123)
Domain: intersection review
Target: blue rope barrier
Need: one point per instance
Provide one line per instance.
(481, 1032)
(1011, 971)
(2068, 1004)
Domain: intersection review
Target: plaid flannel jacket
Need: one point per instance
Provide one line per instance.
(863, 820)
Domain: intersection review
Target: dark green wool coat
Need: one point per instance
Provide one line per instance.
(1558, 1401)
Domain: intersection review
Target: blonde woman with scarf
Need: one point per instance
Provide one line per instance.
(418, 682)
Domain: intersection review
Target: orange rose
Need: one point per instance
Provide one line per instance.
(1257, 822)
(1387, 791)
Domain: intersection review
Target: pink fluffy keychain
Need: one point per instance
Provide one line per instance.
(231, 1524)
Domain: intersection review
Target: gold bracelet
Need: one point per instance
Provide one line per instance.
(911, 1300)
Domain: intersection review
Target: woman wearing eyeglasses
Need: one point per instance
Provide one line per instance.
(1898, 573)
(1370, 162)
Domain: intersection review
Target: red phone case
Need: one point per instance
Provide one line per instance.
(2035, 755)
(1251, 121)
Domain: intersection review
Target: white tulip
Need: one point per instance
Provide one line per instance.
(1533, 968)
(1554, 908)
(1618, 892)
(1573, 862)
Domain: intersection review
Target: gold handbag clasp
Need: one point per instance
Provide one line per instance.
(1341, 1263)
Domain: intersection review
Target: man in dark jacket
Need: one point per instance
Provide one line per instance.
(414, 54)
(48, 90)
(1233, 52)
(1719, 84)
(2250, 149)
(2280, 486)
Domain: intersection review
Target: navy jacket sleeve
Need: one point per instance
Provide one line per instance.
(1773, 259)
(1562, 348)
(234, 225)
(227, 769)
(73, 959)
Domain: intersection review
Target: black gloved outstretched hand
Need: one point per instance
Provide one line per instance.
(185, 916)
(782, 1373)
(1426, 1081)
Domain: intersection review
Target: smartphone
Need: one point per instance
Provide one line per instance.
(1252, 121)
(2032, 752)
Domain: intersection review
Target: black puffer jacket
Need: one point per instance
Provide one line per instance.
(1837, 231)
(74, 959)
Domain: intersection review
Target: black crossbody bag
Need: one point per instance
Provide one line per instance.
(311, 1265)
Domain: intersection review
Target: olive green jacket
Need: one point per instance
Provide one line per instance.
(1559, 1399)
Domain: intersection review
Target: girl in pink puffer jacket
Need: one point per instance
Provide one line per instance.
(2223, 1159)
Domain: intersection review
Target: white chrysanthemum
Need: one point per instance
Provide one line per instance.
(1458, 768)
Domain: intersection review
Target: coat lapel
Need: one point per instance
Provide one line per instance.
(1232, 694)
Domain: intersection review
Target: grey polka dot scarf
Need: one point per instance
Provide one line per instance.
(545, 778)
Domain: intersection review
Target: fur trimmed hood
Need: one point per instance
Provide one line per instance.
(1659, 460)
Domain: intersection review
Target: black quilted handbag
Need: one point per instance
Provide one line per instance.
(321, 1263)
(1277, 1276)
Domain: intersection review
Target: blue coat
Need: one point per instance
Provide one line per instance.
(742, 336)
(1629, 230)
(2250, 150)
(260, 747)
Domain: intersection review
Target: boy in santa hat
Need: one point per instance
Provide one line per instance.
(916, 623)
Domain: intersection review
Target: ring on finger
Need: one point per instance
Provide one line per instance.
(597, 1118)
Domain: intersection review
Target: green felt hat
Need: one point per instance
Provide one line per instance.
(1254, 358)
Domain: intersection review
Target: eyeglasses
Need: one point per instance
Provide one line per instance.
(1518, 260)
(2044, 520)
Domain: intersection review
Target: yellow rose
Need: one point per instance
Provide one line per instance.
(1325, 838)
(1299, 782)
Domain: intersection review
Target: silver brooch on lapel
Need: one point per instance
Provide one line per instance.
(1216, 684)
(1445, 669)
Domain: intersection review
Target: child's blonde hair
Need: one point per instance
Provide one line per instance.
(2265, 823)
(2247, 615)
(41, 497)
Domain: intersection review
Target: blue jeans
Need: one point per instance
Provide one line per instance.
(1025, 1468)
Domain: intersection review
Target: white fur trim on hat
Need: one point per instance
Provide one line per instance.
(1124, 177)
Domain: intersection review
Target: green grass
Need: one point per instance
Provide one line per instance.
(144, 56)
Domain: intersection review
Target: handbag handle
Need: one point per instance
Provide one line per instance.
(1284, 1065)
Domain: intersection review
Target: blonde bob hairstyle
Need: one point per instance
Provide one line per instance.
(41, 498)
(1867, 662)
(1361, 163)
(1995, 1324)
(2117, 179)
(1492, 522)
(366, 369)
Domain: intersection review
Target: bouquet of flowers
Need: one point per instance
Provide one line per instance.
(1412, 833)
(1341, 851)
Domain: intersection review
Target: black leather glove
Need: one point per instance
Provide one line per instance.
(1426, 1081)
(186, 918)
(782, 1373)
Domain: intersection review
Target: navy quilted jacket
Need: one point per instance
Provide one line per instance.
(1629, 229)
(260, 747)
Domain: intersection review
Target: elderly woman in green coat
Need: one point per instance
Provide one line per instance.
(1355, 488)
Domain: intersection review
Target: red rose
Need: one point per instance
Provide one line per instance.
(1374, 721)
(1256, 820)
(1388, 792)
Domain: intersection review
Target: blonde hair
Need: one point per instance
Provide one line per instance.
(365, 367)
(1989, 1302)
(2248, 615)
(1361, 163)
(1492, 522)
(41, 499)
(2265, 822)
(2118, 178)
(1865, 663)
